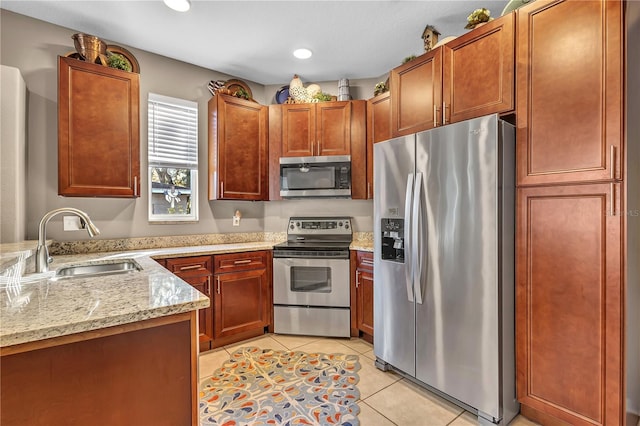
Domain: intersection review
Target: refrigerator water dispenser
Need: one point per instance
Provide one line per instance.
(393, 240)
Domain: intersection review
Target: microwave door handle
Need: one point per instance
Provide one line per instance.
(417, 255)
(408, 269)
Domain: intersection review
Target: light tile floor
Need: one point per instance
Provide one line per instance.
(385, 397)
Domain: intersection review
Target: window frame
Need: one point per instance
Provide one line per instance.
(188, 157)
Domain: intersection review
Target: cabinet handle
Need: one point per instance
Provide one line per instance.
(612, 159)
(318, 148)
(357, 279)
(208, 287)
(612, 189)
(435, 116)
(135, 186)
(221, 189)
(444, 113)
(242, 262)
(218, 289)
(368, 190)
(367, 262)
(188, 268)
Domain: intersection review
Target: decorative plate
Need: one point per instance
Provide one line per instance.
(233, 85)
(135, 67)
(282, 94)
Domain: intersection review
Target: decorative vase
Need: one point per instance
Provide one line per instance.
(89, 47)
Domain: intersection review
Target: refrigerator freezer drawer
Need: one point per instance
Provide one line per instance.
(312, 321)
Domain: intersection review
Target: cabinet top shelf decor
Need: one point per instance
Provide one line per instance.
(90, 48)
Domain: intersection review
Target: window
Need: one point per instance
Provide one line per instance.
(173, 159)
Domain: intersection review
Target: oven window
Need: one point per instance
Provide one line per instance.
(311, 279)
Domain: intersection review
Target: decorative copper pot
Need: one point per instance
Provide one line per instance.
(89, 47)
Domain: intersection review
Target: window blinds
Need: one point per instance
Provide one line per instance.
(173, 132)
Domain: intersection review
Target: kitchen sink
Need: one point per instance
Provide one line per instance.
(107, 267)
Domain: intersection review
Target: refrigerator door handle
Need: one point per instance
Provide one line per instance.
(416, 250)
(408, 244)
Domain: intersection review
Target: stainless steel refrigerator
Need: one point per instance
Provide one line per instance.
(444, 263)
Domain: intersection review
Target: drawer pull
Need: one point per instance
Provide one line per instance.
(208, 286)
(188, 268)
(242, 262)
(367, 262)
(218, 289)
(357, 279)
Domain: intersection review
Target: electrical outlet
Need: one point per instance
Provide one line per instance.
(236, 221)
(71, 223)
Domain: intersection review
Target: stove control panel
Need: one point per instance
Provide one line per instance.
(320, 226)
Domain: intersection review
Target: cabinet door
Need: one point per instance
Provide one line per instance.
(98, 130)
(416, 94)
(364, 289)
(570, 100)
(298, 130)
(202, 283)
(569, 303)
(379, 118)
(479, 72)
(238, 156)
(241, 302)
(197, 271)
(333, 128)
(362, 294)
(378, 130)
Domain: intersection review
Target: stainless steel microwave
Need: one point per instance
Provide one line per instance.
(319, 176)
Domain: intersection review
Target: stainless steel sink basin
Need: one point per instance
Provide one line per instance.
(107, 267)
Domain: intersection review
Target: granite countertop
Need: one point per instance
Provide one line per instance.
(37, 306)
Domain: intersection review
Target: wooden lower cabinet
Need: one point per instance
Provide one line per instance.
(142, 373)
(570, 304)
(197, 271)
(242, 296)
(362, 295)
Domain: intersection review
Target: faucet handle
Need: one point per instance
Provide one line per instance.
(49, 260)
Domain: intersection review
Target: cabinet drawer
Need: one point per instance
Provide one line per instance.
(365, 260)
(240, 261)
(198, 265)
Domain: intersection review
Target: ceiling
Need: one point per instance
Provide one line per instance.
(254, 40)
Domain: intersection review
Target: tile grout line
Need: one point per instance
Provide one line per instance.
(455, 418)
(392, 422)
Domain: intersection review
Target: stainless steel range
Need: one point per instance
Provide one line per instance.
(311, 277)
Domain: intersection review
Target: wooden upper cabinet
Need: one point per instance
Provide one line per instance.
(238, 151)
(570, 98)
(379, 118)
(465, 78)
(98, 130)
(570, 304)
(316, 129)
(416, 93)
(479, 75)
(378, 130)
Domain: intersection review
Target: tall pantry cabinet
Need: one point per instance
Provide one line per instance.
(570, 287)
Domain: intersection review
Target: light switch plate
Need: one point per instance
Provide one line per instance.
(71, 223)
(236, 221)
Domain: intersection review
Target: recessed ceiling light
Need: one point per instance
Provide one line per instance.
(302, 53)
(179, 5)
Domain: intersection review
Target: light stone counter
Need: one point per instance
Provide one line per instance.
(38, 306)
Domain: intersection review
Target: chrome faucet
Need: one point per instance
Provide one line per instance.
(42, 252)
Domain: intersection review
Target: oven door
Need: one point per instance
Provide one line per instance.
(311, 282)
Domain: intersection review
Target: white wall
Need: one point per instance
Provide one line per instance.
(13, 175)
(33, 46)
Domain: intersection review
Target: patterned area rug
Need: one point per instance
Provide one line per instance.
(267, 387)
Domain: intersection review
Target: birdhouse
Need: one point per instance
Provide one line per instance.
(430, 37)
